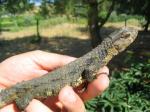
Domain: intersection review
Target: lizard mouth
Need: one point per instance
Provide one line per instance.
(125, 40)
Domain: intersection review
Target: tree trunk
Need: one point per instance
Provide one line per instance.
(0, 26)
(37, 27)
(108, 14)
(93, 23)
(147, 24)
(38, 37)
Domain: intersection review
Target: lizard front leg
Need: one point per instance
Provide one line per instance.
(23, 101)
(89, 74)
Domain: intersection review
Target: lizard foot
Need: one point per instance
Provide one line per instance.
(23, 101)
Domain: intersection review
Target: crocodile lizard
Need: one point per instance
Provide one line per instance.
(75, 73)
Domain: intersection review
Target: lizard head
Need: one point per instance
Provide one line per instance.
(123, 38)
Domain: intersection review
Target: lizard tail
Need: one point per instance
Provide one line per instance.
(9, 95)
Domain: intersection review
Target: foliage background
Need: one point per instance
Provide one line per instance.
(128, 92)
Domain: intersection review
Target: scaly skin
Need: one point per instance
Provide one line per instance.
(75, 73)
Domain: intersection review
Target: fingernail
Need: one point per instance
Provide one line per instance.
(69, 96)
(103, 73)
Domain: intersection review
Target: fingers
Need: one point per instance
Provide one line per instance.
(37, 106)
(96, 87)
(10, 108)
(50, 61)
(53, 103)
(34, 106)
(29, 65)
(70, 100)
(44, 60)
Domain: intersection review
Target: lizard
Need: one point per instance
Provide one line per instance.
(83, 69)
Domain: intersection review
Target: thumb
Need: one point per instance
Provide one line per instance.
(70, 100)
(37, 106)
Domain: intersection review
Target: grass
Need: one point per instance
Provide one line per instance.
(23, 25)
(18, 23)
(23, 21)
(130, 23)
(64, 29)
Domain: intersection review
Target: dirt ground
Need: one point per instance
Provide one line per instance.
(74, 42)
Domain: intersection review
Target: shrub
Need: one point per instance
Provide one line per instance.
(129, 91)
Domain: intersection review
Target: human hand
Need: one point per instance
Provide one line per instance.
(37, 63)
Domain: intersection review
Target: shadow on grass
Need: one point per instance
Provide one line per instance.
(82, 29)
(138, 51)
(4, 29)
(62, 45)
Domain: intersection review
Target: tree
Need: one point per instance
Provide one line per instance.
(17, 6)
(93, 21)
(66, 7)
(47, 9)
(136, 7)
(142, 7)
(2, 11)
(96, 20)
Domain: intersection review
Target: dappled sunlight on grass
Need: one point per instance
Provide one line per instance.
(63, 45)
(65, 29)
(66, 38)
(130, 23)
(19, 34)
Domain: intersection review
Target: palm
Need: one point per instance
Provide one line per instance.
(25, 68)
(28, 66)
